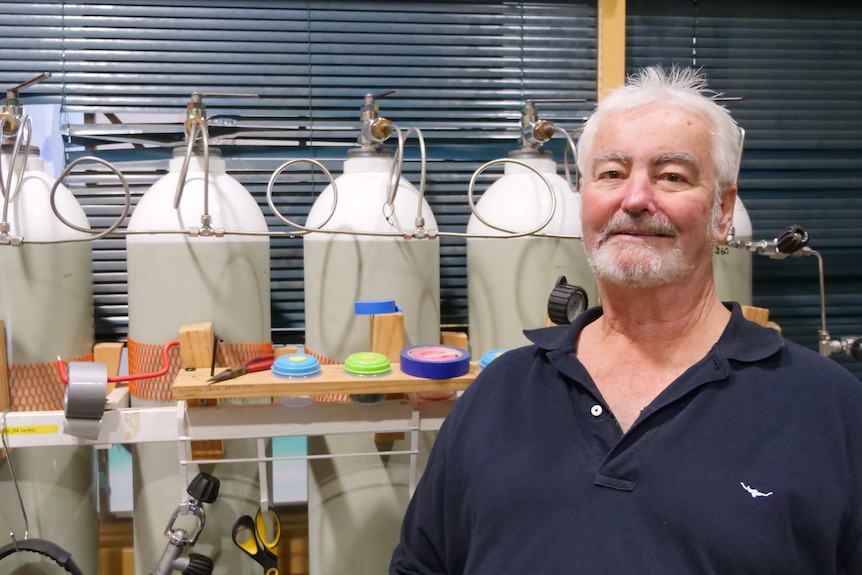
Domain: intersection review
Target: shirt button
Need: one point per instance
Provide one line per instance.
(596, 410)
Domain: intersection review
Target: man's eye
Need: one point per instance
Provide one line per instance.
(610, 175)
(674, 177)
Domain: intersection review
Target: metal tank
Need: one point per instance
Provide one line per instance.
(732, 267)
(356, 503)
(46, 304)
(187, 264)
(510, 271)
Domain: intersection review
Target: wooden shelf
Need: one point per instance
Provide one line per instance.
(332, 380)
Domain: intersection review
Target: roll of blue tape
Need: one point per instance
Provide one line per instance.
(435, 361)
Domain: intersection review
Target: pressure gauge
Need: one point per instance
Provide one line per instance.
(566, 302)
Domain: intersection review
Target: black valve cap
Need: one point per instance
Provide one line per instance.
(855, 348)
(791, 240)
(566, 302)
(204, 487)
(199, 565)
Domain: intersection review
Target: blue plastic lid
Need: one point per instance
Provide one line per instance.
(490, 356)
(373, 307)
(435, 361)
(296, 365)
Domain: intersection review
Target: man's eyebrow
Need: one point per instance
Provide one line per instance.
(611, 156)
(677, 158)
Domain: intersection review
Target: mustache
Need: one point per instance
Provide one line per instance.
(658, 224)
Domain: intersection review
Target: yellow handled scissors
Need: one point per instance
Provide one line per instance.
(252, 536)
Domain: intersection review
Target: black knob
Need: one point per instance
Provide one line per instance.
(855, 348)
(566, 302)
(199, 565)
(791, 240)
(204, 487)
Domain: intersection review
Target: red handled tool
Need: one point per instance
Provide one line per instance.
(258, 363)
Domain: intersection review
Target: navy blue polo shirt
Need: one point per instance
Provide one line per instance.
(750, 462)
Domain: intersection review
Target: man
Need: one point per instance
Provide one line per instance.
(661, 433)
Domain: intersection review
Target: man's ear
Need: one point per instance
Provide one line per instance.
(728, 201)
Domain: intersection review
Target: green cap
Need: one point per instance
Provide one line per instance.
(366, 363)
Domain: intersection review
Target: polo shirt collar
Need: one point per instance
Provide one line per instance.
(735, 343)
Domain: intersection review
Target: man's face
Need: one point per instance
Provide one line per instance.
(648, 197)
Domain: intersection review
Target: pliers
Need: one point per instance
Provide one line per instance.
(258, 363)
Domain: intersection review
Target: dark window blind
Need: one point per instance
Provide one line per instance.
(461, 72)
(798, 68)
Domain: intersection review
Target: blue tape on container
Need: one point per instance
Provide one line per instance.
(435, 361)
(373, 307)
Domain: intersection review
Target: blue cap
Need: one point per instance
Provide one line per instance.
(296, 365)
(490, 356)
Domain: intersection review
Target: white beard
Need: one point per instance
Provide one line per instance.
(634, 263)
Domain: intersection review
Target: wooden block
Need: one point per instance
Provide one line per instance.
(759, 315)
(387, 334)
(774, 326)
(5, 401)
(196, 350)
(454, 338)
(196, 344)
(387, 338)
(388, 436)
(280, 350)
(109, 353)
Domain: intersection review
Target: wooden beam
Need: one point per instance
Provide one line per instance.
(611, 65)
(111, 354)
(5, 400)
(196, 350)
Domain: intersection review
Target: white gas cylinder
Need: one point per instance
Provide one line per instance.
(341, 269)
(732, 267)
(46, 304)
(355, 504)
(509, 280)
(175, 279)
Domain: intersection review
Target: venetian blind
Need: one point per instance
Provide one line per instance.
(797, 65)
(123, 72)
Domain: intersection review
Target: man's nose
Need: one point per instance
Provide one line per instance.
(639, 194)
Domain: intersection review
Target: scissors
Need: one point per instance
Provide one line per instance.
(258, 363)
(252, 536)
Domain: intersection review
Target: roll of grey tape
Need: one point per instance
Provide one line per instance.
(84, 401)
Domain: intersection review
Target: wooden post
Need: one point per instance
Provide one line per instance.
(5, 401)
(759, 315)
(196, 350)
(387, 338)
(454, 338)
(109, 353)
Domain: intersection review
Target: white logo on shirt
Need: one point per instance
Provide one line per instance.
(754, 492)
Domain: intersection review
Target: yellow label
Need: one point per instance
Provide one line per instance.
(30, 429)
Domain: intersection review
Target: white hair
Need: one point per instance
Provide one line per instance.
(682, 87)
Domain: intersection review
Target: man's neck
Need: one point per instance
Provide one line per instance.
(661, 315)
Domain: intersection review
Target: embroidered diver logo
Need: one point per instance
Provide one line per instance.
(754, 492)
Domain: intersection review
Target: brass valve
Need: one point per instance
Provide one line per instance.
(11, 111)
